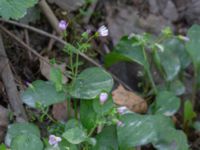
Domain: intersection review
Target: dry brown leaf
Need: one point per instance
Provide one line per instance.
(60, 111)
(129, 99)
(45, 69)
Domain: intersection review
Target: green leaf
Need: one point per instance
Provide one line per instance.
(56, 78)
(42, 92)
(170, 63)
(73, 123)
(189, 113)
(167, 103)
(102, 109)
(197, 126)
(33, 15)
(126, 50)
(107, 139)
(88, 116)
(192, 47)
(75, 135)
(15, 9)
(90, 83)
(155, 129)
(20, 128)
(171, 139)
(2, 147)
(177, 47)
(177, 87)
(26, 142)
(140, 129)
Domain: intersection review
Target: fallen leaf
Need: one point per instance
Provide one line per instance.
(45, 68)
(60, 111)
(129, 99)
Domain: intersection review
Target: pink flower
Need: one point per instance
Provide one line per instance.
(103, 97)
(54, 140)
(120, 123)
(63, 25)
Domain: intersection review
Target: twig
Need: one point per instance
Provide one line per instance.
(10, 86)
(64, 43)
(27, 42)
(50, 15)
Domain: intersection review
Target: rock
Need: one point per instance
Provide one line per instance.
(192, 13)
(170, 11)
(165, 8)
(68, 5)
(154, 24)
(121, 21)
(124, 20)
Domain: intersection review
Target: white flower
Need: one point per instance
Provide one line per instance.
(122, 110)
(54, 140)
(103, 97)
(103, 31)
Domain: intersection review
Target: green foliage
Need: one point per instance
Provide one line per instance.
(56, 78)
(90, 83)
(189, 114)
(15, 9)
(107, 139)
(167, 103)
(26, 142)
(193, 49)
(43, 93)
(140, 130)
(20, 128)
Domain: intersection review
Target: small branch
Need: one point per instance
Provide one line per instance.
(10, 86)
(64, 43)
(50, 15)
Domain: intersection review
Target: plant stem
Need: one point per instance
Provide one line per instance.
(194, 88)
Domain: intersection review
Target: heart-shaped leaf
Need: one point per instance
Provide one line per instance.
(126, 50)
(42, 92)
(90, 83)
(140, 130)
(26, 142)
(107, 139)
(15, 9)
(75, 135)
(167, 103)
(88, 116)
(20, 128)
(192, 47)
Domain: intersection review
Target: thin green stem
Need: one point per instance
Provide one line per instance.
(194, 87)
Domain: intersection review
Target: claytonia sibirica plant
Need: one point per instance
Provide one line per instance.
(54, 140)
(95, 122)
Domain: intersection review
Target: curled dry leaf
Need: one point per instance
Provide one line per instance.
(129, 99)
(45, 68)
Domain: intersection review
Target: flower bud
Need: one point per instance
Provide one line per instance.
(103, 97)
(63, 25)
